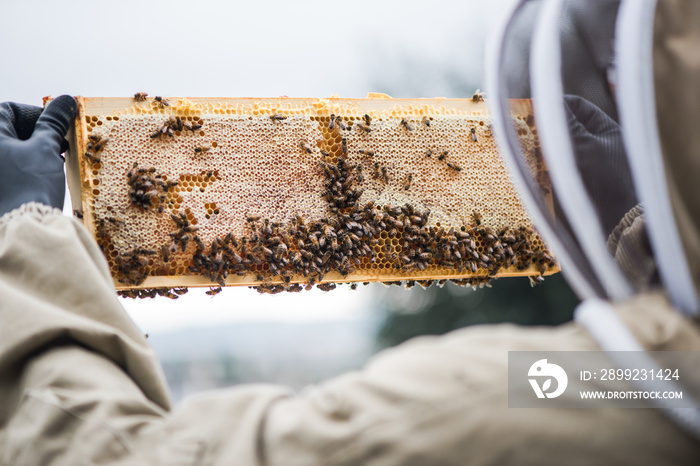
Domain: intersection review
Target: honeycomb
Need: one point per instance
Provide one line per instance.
(286, 193)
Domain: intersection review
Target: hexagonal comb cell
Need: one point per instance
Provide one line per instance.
(285, 193)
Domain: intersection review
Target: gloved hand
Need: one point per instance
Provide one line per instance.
(31, 143)
(601, 160)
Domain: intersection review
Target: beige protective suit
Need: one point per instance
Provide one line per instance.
(80, 386)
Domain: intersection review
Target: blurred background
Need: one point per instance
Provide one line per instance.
(205, 48)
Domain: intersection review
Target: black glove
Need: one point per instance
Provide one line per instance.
(601, 160)
(31, 143)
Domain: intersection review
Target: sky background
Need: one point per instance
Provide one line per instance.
(244, 49)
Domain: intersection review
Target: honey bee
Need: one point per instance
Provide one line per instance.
(443, 154)
(278, 117)
(99, 145)
(478, 96)
(368, 119)
(534, 281)
(305, 146)
(473, 134)
(341, 124)
(476, 218)
(115, 221)
(202, 149)
(407, 184)
(91, 156)
(331, 122)
(425, 256)
(363, 127)
(140, 96)
(162, 102)
(213, 291)
(406, 125)
(360, 177)
(385, 175)
(454, 166)
(366, 152)
(429, 153)
(377, 170)
(190, 127)
(344, 146)
(426, 121)
(176, 122)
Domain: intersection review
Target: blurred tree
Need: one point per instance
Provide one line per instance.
(435, 311)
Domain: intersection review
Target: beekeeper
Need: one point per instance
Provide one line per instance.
(615, 88)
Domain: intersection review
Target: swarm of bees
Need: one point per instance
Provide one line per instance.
(104, 224)
(172, 293)
(308, 250)
(338, 190)
(147, 186)
(311, 249)
(95, 145)
(132, 263)
(182, 236)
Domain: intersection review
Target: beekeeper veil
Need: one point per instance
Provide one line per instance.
(609, 177)
(595, 107)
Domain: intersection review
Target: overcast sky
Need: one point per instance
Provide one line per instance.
(243, 49)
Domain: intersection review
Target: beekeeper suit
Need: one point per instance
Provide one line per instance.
(614, 86)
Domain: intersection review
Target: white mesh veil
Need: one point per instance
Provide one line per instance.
(561, 55)
(509, 81)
